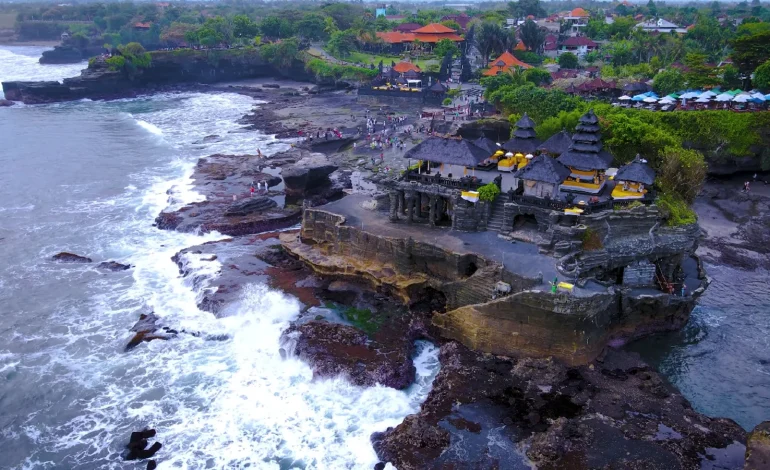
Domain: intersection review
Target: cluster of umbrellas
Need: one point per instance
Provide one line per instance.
(735, 96)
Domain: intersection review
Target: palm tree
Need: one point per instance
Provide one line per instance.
(490, 38)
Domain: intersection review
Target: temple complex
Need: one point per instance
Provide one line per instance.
(585, 158)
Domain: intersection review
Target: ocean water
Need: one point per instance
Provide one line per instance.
(90, 177)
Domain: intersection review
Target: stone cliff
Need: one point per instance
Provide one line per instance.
(183, 66)
(527, 320)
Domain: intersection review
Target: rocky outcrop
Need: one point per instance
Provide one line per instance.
(309, 174)
(5, 103)
(252, 205)
(66, 257)
(616, 412)
(137, 447)
(169, 68)
(334, 349)
(147, 329)
(114, 266)
(758, 448)
(68, 54)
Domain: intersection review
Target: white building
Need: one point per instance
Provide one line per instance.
(661, 26)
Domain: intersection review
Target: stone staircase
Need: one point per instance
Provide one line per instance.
(496, 217)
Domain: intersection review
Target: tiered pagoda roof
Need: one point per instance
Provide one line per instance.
(524, 138)
(585, 152)
(637, 171)
(487, 144)
(452, 151)
(557, 144)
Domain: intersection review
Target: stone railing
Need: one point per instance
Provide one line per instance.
(466, 183)
(557, 204)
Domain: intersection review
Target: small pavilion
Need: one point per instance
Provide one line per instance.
(542, 177)
(633, 179)
(451, 157)
(585, 158)
(503, 63)
(557, 144)
(523, 143)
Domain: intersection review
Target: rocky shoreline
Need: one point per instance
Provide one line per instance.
(485, 411)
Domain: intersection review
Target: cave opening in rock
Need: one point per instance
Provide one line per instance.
(524, 222)
(470, 269)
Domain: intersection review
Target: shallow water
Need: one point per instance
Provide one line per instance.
(90, 177)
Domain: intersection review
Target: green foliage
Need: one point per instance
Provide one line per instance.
(342, 43)
(244, 27)
(452, 24)
(362, 319)
(668, 81)
(681, 172)
(537, 76)
(675, 210)
(537, 102)
(488, 192)
(280, 54)
(528, 57)
(447, 102)
(275, 27)
(751, 51)
(699, 74)
(115, 63)
(591, 240)
(568, 60)
(444, 47)
(564, 120)
(323, 69)
(532, 36)
(626, 135)
(762, 76)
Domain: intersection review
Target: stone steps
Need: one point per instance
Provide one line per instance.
(496, 218)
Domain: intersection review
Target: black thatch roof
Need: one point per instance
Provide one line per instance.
(525, 122)
(545, 169)
(412, 74)
(390, 73)
(438, 87)
(524, 133)
(488, 145)
(586, 160)
(557, 143)
(585, 152)
(452, 151)
(636, 171)
(523, 145)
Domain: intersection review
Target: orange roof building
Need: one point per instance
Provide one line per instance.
(503, 63)
(403, 67)
(395, 37)
(435, 32)
(520, 46)
(579, 13)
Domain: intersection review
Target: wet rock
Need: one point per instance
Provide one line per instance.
(758, 448)
(568, 417)
(250, 205)
(137, 446)
(152, 465)
(147, 329)
(271, 85)
(114, 266)
(334, 349)
(5, 103)
(66, 257)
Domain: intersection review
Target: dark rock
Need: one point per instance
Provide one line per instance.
(147, 329)
(114, 266)
(66, 257)
(334, 349)
(309, 173)
(250, 205)
(5, 103)
(379, 466)
(137, 436)
(137, 446)
(152, 465)
(271, 85)
(67, 55)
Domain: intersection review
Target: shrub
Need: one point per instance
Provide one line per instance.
(116, 63)
(447, 101)
(591, 240)
(681, 172)
(675, 210)
(488, 192)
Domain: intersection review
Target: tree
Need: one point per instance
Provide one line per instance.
(130, 59)
(452, 24)
(652, 9)
(524, 8)
(592, 57)
(312, 27)
(244, 27)
(682, 172)
(731, 77)
(668, 81)
(177, 34)
(275, 27)
(699, 74)
(444, 47)
(751, 51)
(762, 76)
(446, 66)
(209, 37)
(342, 43)
(490, 38)
(532, 36)
(330, 27)
(281, 54)
(537, 76)
(568, 60)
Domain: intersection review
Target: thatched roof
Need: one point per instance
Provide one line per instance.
(557, 143)
(452, 151)
(412, 74)
(637, 171)
(525, 122)
(517, 144)
(545, 169)
(438, 87)
(486, 144)
(586, 160)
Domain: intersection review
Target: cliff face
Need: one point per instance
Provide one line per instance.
(530, 321)
(182, 66)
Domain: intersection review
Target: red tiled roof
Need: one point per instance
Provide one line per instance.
(504, 62)
(434, 28)
(520, 46)
(564, 73)
(579, 41)
(395, 37)
(436, 37)
(579, 12)
(403, 67)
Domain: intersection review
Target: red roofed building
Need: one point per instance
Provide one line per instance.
(403, 67)
(430, 34)
(577, 20)
(503, 64)
(551, 45)
(407, 27)
(461, 19)
(520, 46)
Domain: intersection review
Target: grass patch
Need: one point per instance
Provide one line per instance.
(374, 59)
(591, 240)
(627, 207)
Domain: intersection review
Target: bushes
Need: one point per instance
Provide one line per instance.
(591, 240)
(488, 192)
(681, 172)
(447, 101)
(323, 69)
(675, 210)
